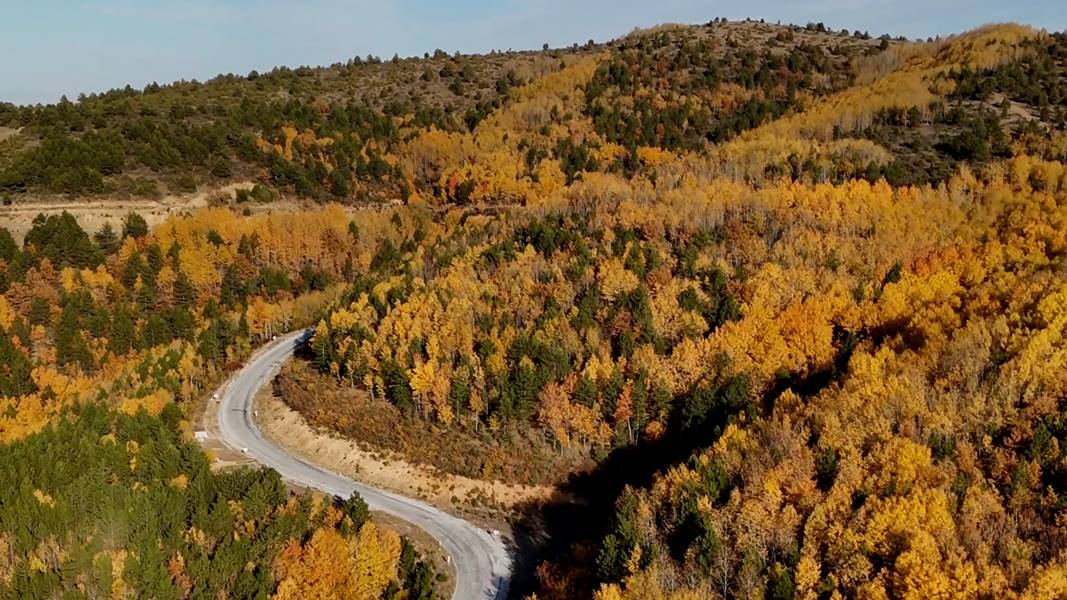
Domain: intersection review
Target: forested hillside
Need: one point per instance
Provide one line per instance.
(373, 129)
(852, 354)
(105, 505)
(782, 308)
(107, 343)
(505, 127)
(860, 381)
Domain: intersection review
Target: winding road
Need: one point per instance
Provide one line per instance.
(481, 559)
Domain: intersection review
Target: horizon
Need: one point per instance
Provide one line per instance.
(91, 48)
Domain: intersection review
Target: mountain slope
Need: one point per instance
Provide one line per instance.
(791, 300)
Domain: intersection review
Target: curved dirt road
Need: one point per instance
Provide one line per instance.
(481, 559)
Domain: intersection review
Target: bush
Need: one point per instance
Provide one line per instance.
(146, 188)
(185, 184)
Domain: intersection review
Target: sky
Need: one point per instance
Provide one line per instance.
(50, 48)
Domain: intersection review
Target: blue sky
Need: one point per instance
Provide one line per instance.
(54, 47)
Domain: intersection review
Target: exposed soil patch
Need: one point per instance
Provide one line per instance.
(91, 214)
(486, 502)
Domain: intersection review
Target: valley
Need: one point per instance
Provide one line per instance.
(732, 309)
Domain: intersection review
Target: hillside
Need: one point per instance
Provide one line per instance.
(778, 310)
(172, 139)
(771, 363)
(369, 130)
(351, 131)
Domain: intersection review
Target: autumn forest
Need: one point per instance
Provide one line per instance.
(772, 311)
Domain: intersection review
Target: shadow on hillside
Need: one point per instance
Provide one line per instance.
(558, 530)
(569, 532)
